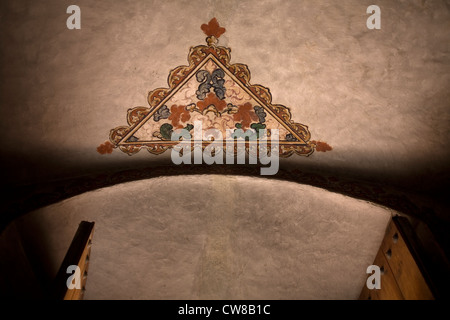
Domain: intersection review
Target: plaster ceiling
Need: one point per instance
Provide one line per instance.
(214, 237)
(379, 98)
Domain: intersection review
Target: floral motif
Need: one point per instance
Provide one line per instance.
(245, 115)
(208, 80)
(179, 114)
(290, 137)
(234, 102)
(162, 113)
(166, 131)
(212, 29)
(260, 113)
(322, 146)
(106, 147)
(211, 99)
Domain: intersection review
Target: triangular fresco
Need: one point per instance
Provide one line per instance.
(217, 94)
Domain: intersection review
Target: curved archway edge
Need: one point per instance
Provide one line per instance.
(27, 198)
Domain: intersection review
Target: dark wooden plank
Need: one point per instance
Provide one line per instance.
(428, 255)
(76, 255)
(389, 289)
(403, 265)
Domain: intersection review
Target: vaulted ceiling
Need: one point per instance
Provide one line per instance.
(379, 98)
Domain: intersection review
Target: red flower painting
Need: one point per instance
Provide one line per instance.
(322, 146)
(211, 99)
(178, 114)
(213, 28)
(106, 147)
(245, 115)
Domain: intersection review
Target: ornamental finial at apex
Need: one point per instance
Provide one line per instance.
(213, 30)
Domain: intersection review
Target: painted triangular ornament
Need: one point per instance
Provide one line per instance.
(216, 94)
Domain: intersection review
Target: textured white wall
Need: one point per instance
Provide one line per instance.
(215, 237)
(380, 98)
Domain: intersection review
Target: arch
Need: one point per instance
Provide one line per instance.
(215, 236)
(27, 198)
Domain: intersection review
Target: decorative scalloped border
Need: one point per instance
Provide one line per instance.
(241, 73)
